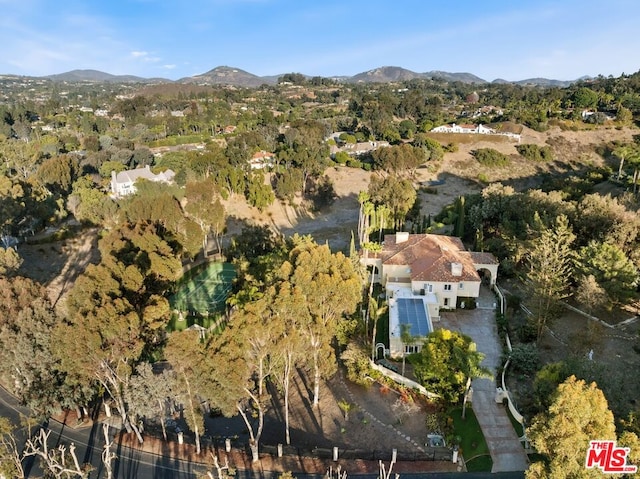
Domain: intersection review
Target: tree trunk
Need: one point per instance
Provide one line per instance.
(255, 456)
(107, 455)
(197, 433)
(162, 421)
(285, 387)
(126, 419)
(620, 168)
(316, 379)
(254, 439)
(136, 430)
(373, 339)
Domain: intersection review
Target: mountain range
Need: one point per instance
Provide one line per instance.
(225, 75)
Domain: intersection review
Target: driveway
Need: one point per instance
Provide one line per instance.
(505, 448)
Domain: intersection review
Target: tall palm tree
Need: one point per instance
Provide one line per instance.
(622, 152)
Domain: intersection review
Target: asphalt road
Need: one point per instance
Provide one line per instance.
(135, 464)
(89, 442)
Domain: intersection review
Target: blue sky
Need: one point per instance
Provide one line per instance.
(177, 38)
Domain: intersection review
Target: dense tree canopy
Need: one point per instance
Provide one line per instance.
(447, 360)
(578, 414)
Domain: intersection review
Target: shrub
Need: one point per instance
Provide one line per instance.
(353, 163)
(513, 301)
(528, 332)
(535, 153)
(490, 157)
(356, 360)
(525, 358)
(342, 158)
(347, 138)
(451, 147)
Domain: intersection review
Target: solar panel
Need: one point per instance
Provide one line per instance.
(411, 311)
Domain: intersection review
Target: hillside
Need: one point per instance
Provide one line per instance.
(98, 77)
(384, 75)
(227, 75)
(573, 149)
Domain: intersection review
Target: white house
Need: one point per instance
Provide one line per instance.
(466, 128)
(261, 159)
(424, 273)
(474, 130)
(123, 183)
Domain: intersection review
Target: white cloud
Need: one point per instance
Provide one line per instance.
(169, 67)
(138, 54)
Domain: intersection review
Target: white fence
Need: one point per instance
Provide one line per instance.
(400, 379)
(503, 392)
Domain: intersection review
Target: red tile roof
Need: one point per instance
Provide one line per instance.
(431, 257)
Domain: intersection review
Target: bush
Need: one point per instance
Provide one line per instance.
(353, 163)
(535, 153)
(490, 157)
(451, 147)
(503, 325)
(342, 158)
(513, 301)
(525, 358)
(528, 332)
(347, 138)
(356, 360)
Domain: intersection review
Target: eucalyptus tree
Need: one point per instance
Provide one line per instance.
(187, 355)
(290, 346)
(331, 288)
(205, 208)
(116, 312)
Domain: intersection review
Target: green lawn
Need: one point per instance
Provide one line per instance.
(175, 324)
(472, 444)
(203, 292)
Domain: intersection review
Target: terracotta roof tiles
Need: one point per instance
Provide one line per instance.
(433, 257)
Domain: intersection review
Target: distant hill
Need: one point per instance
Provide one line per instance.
(461, 77)
(384, 75)
(100, 77)
(225, 75)
(545, 82)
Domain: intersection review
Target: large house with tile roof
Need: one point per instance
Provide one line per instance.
(423, 274)
(123, 183)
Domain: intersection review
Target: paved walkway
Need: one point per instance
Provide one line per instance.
(505, 448)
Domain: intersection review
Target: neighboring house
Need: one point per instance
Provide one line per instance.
(474, 130)
(357, 149)
(465, 128)
(261, 159)
(422, 274)
(123, 183)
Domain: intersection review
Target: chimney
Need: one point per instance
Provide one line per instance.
(456, 269)
(402, 237)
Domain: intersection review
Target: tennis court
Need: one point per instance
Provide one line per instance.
(205, 291)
